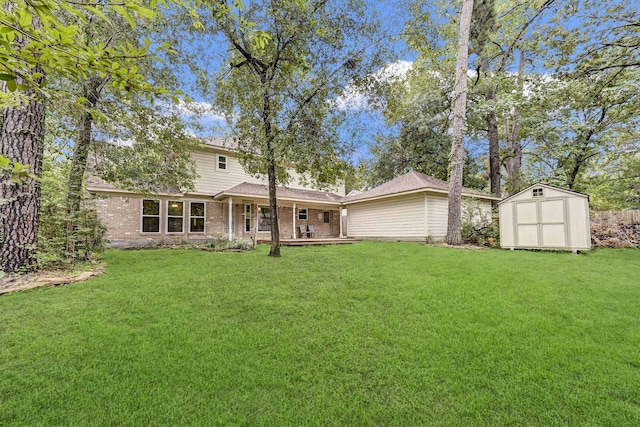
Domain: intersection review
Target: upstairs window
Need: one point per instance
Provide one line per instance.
(302, 214)
(221, 163)
(150, 216)
(538, 192)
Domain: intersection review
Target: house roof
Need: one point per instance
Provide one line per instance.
(412, 182)
(247, 189)
(227, 143)
(541, 184)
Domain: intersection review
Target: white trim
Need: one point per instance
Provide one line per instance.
(174, 216)
(204, 217)
(420, 190)
(294, 234)
(245, 218)
(142, 216)
(552, 187)
(226, 163)
(230, 211)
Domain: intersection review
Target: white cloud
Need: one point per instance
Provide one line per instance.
(352, 98)
(203, 111)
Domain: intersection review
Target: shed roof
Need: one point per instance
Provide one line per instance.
(247, 189)
(541, 184)
(412, 182)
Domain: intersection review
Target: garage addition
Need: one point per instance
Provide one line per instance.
(545, 217)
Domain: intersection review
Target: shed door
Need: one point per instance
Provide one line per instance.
(552, 223)
(541, 223)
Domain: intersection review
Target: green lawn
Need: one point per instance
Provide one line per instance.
(370, 334)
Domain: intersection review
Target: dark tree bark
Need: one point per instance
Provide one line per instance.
(271, 175)
(454, 223)
(495, 176)
(22, 141)
(79, 163)
(514, 147)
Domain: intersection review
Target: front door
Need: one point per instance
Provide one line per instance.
(326, 224)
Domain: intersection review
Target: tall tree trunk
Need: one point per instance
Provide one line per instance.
(514, 148)
(79, 164)
(492, 135)
(454, 223)
(22, 141)
(271, 175)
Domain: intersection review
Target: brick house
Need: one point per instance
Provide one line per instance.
(227, 202)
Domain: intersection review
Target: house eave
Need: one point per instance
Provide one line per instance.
(417, 191)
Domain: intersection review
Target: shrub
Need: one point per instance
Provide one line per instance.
(223, 244)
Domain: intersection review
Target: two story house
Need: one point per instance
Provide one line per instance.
(227, 201)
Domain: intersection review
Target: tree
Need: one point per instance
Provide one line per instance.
(21, 141)
(157, 152)
(284, 73)
(38, 43)
(454, 222)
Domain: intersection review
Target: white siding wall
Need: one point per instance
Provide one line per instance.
(580, 228)
(437, 208)
(392, 218)
(403, 217)
(212, 181)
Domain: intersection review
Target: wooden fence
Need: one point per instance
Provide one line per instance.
(610, 217)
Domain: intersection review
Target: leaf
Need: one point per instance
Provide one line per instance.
(11, 85)
(7, 77)
(122, 11)
(149, 14)
(97, 12)
(147, 43)
(24, 18)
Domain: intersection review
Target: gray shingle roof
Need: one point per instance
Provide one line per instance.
(412, 181)
(262, 190)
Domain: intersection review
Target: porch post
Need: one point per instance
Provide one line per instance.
(294, 221)
(341, 234)
(230, 218)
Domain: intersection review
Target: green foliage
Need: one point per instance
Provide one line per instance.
(223, 244)
(279, 93)
(14, 171)
(416, 335)
(54, 46)
(478, 228)
(54, 221)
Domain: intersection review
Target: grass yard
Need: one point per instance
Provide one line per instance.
(385, 334)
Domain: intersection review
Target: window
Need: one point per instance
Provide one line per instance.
(247, 218)
(538, 192)
(264, 218)
(196, 217)
(175, 214)
(150, 216)
(302, 214)
(221, 163)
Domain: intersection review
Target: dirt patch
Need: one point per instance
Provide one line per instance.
(47, 278)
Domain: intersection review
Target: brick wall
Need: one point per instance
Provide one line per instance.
(122, 215)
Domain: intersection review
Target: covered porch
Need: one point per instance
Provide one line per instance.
(305, 215)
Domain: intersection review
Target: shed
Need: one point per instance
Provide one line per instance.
(543, 216)
(411, 207)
